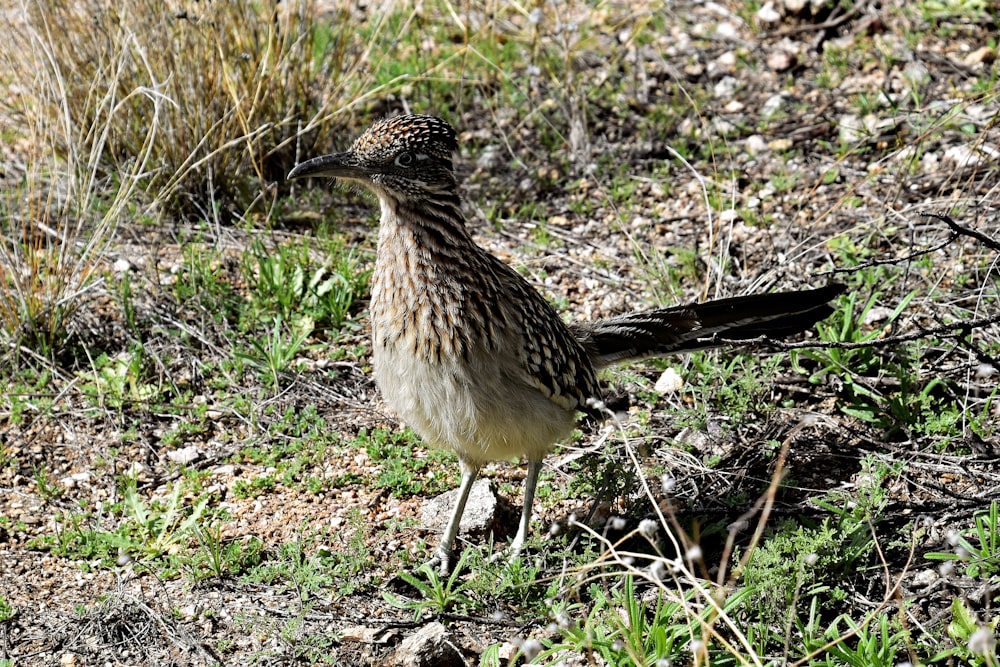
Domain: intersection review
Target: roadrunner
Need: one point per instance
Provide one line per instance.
(468, 353)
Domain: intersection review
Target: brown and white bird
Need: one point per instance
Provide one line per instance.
(467, 352)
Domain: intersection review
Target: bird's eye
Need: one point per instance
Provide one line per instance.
(405, 159)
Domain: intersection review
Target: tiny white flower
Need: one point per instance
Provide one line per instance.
(658, 569)
(983, 641)
(618, 523)
(811, 558)
(647, 528)
(693, 553)
(531, 648)
(668, 482)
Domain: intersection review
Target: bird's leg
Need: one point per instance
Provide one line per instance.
(530, 483)
(442, 556)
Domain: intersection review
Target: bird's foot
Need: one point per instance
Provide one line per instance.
(510, 554)
(441, 560)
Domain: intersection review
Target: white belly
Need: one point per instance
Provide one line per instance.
(482, 410)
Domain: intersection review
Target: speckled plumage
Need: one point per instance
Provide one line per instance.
(468, 353)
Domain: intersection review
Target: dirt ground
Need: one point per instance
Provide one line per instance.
(789, 184)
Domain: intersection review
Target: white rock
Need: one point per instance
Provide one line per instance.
(768, 15)
(185, 455)
(669, 382)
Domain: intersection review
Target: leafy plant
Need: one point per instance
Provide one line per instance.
(7, 611)
(982, 559)
(802, 559)
(273, 355)
(297, 563)
(290, 284)
(158, 530)
(400, 472)
(155, 527)
(223, 558)
(440, 595)
(975, 642)
(621, 630)
(204, 280)
(121, 380)
(860, 368)
(844, 641)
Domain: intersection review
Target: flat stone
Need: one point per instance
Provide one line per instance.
(482, 510)
(430, 646)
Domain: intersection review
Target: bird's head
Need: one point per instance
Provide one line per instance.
(403, 157)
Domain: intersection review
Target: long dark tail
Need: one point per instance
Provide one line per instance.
(702, 325)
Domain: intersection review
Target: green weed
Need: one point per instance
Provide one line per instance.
(982, 558)
(440, 594)
(272, 356)
(290, 284)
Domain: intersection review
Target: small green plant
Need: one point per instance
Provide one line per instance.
(156, 526)
(205, 280)
(945, 10)
(221, 558)
(159, 531)
(981, 559)
(298, 563)
(48, 490)
(7, 611)
(975, 642)
(619, 629)
(737, 387)
(400, 472)
(349, 563)
(290, 284)
(878, 641)
(273, 355)
(803, 559)
(120, 381)
(257, 486)
(440, 595)
(855, 366)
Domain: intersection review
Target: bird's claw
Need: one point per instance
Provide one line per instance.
(441, 560)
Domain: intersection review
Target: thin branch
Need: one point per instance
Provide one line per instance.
(988, 241)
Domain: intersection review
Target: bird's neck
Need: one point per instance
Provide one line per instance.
(427, 228)
(424, 275)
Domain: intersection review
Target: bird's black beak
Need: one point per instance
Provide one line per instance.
(335, 165)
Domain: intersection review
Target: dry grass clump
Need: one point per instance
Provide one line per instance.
(238, 85)
(150, 110)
